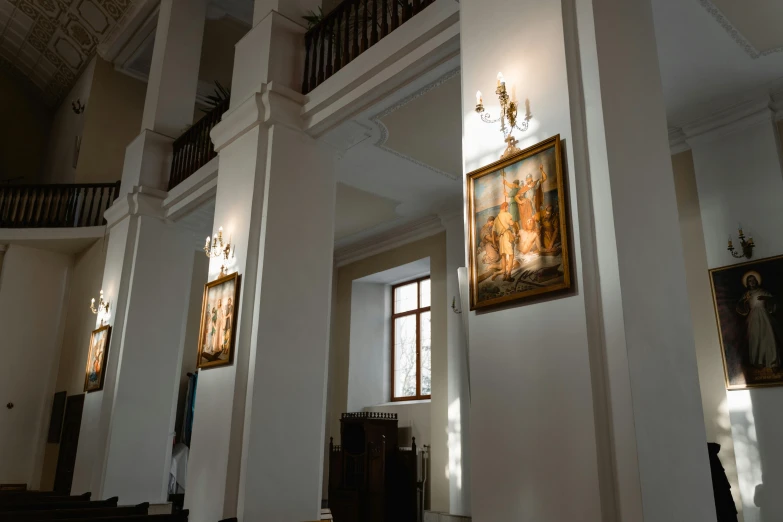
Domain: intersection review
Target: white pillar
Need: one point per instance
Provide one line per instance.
(173, 78)
(596, 391)
(458, 406)
(737, 161)
(258, 437)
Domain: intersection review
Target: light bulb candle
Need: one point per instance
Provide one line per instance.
(479, 101)
(501, 80)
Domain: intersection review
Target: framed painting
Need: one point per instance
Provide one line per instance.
(96, 359)
(749, 311)
(218, 318)
(518, 227)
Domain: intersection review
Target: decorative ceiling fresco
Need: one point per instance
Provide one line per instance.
(47, 43)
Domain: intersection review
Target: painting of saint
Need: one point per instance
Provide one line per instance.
(518, 236)
(750, 321)
(216, 336)
(96, 359)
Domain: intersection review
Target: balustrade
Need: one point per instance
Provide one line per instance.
(55, 206)
(350, 29)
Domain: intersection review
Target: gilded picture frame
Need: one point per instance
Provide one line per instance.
(217, 331)
(749, 315)
(95, 371)
(519, 253)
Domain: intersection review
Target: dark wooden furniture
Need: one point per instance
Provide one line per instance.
(69, 442)
(370, 478)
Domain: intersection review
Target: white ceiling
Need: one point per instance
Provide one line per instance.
(707, 62)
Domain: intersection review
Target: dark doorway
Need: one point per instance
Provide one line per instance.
(66, 461)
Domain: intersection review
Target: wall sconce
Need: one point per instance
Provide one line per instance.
(102, 309)
(747, 246)
(77, 106)
(217, 248)
(507, 118)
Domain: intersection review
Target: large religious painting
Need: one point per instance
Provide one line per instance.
(96, 359)
(749, 310)
(518, 227)
(218, 322)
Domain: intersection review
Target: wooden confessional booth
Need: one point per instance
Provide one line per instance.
(371, 479)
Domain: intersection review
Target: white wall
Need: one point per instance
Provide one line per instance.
(740, 180)
(66, 125)
(33, 288)
(370, 346)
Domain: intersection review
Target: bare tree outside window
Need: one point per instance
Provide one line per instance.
(411, 341)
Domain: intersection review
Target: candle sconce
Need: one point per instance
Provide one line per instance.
(508, 116)
(215, 247)
(747, 247)
(102, 310)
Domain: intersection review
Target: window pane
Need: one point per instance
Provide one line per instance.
(405, 356)
(405, 298)
(426, 354)
(425, 293)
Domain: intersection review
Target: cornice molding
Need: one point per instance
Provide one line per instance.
(728, 121)
(677, 141)
(140, 12)
(396, 237)
(272, 104)
(141, 201)
(724, 22)
(381, 143)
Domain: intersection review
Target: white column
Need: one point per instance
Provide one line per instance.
(258, 437)
(458, 406)
(173, 79)
(596, 391)
(737, 161)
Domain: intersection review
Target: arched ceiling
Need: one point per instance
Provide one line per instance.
(47, 43)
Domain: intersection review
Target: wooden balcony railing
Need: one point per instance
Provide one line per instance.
(350, 29)
(45, 206)
(194, 148)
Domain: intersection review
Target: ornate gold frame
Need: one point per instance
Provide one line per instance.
(103, 360)
(553, 142)
(217, 282)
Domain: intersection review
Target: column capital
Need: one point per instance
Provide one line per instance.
(451, 214)
(728, 121)
(140, 201)
(272, 104)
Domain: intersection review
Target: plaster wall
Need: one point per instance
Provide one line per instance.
(33, 290)
(85, 283)
(23, 144)
(369, 366)
(60, 164)
(111, 121)
(433, 247)
(740, 181)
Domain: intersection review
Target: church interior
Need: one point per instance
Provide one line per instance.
(391, 260)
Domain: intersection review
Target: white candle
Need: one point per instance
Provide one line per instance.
(501, 80)
(478, 98)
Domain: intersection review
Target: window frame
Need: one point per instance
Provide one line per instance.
(418, 311)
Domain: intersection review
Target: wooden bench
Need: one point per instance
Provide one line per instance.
(71, 514)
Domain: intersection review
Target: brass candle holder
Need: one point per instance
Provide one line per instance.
(747, 247)
(215, 247)
(508, 116)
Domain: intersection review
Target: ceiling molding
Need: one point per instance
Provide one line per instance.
(728, 121)
(677, 141)
(724, 22)
(396, 237)
(384, 132)
(138, 18)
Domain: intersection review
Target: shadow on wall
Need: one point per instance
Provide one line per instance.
(758, 431)
(769, 433)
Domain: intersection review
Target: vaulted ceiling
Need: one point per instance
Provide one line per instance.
(47, 43)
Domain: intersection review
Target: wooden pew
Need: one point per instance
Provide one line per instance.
(180, 516)
(52, 503)
(74, 514)
(28, 497)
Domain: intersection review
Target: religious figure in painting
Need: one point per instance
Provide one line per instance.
(504, 230)
(97, 359)
(763, 331)
(530, 197)
(550, 230)
(513, 193)
(227, 328)
(529, 240)
(218, 327)
(488, 242)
